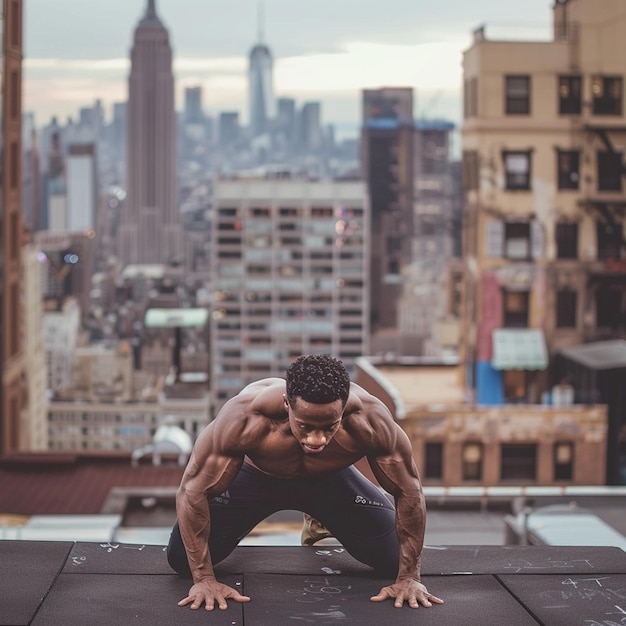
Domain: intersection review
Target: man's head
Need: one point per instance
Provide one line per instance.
(317, 393)
(319, 379)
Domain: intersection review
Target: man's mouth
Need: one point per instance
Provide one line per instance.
(312, 449)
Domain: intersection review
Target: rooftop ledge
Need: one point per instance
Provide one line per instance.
(531, 32)
(110, 583)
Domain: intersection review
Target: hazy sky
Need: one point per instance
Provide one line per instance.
(328, 50)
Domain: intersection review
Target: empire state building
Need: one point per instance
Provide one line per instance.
(150, 226)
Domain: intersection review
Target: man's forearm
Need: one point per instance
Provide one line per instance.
(194, 522)
(410, 528)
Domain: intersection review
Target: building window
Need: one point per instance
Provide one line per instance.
(570, 95)
(260, 212)
(514, 385)
(15, 94)
(610, 308)
(606, 92)
(473, 461)
(517, 240)
(16, 29)
(470, 97)
(518, 461)
(516, 305)
(563, 460)
(393, 267)
(517, 169)
(289, 211)
(568, 167)
(494, 238)
(321, 212)
(567, 240)
(517, 99)
(609, 240)
(433, 466)
(470, 169)
(514, 240)
(14, 165)
(14, 320)
(14, 241)
(228, 212)
(566, 302)
(610, 171)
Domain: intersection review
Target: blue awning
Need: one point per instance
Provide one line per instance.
(519, 349)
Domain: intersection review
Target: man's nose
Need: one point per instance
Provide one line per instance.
(316, 438)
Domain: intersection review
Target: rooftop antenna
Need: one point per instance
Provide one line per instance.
(151, 12)
(261, 21)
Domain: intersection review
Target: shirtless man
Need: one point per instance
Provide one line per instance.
(291, 444)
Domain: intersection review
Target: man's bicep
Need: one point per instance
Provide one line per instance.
(395, 467)
(213, 476)
(397, 476)
(213, 463)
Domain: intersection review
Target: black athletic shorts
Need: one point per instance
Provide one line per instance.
(359, 514)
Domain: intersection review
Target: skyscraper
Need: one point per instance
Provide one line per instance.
(261, 86)
(82, 186)
(12, 366)
(150, 229)
(193, 105)
(310, 127)
(387, 162)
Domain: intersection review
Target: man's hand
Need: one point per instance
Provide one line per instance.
(409, 591)
(209, 592)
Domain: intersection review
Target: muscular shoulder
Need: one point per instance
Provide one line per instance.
(368, 420)
(247, 417)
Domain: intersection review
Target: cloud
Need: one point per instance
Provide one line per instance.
(76, 65)
(360, 65)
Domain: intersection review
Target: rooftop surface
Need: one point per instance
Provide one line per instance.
(54, 583)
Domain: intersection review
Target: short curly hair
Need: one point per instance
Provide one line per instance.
(319, 379)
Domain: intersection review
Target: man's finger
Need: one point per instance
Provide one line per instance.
(429, 599)
(236, 596)
(198, 603)
(383, 594)
(399, 601)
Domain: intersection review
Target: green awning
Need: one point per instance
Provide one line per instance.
(519, 349)
(175, 318)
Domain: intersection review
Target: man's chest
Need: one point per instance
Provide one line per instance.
(283, 457)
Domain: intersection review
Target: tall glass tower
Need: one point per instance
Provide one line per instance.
(261, 85)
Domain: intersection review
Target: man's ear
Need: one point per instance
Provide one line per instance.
(286, 401)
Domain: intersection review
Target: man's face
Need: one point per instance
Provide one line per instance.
(314, 425)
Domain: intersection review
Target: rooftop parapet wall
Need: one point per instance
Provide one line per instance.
(582, 428)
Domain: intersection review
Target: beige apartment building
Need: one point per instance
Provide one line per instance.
(461, 444)
(544, 136)
(289, 277)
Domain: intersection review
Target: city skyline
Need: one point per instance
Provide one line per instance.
(321, 52)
